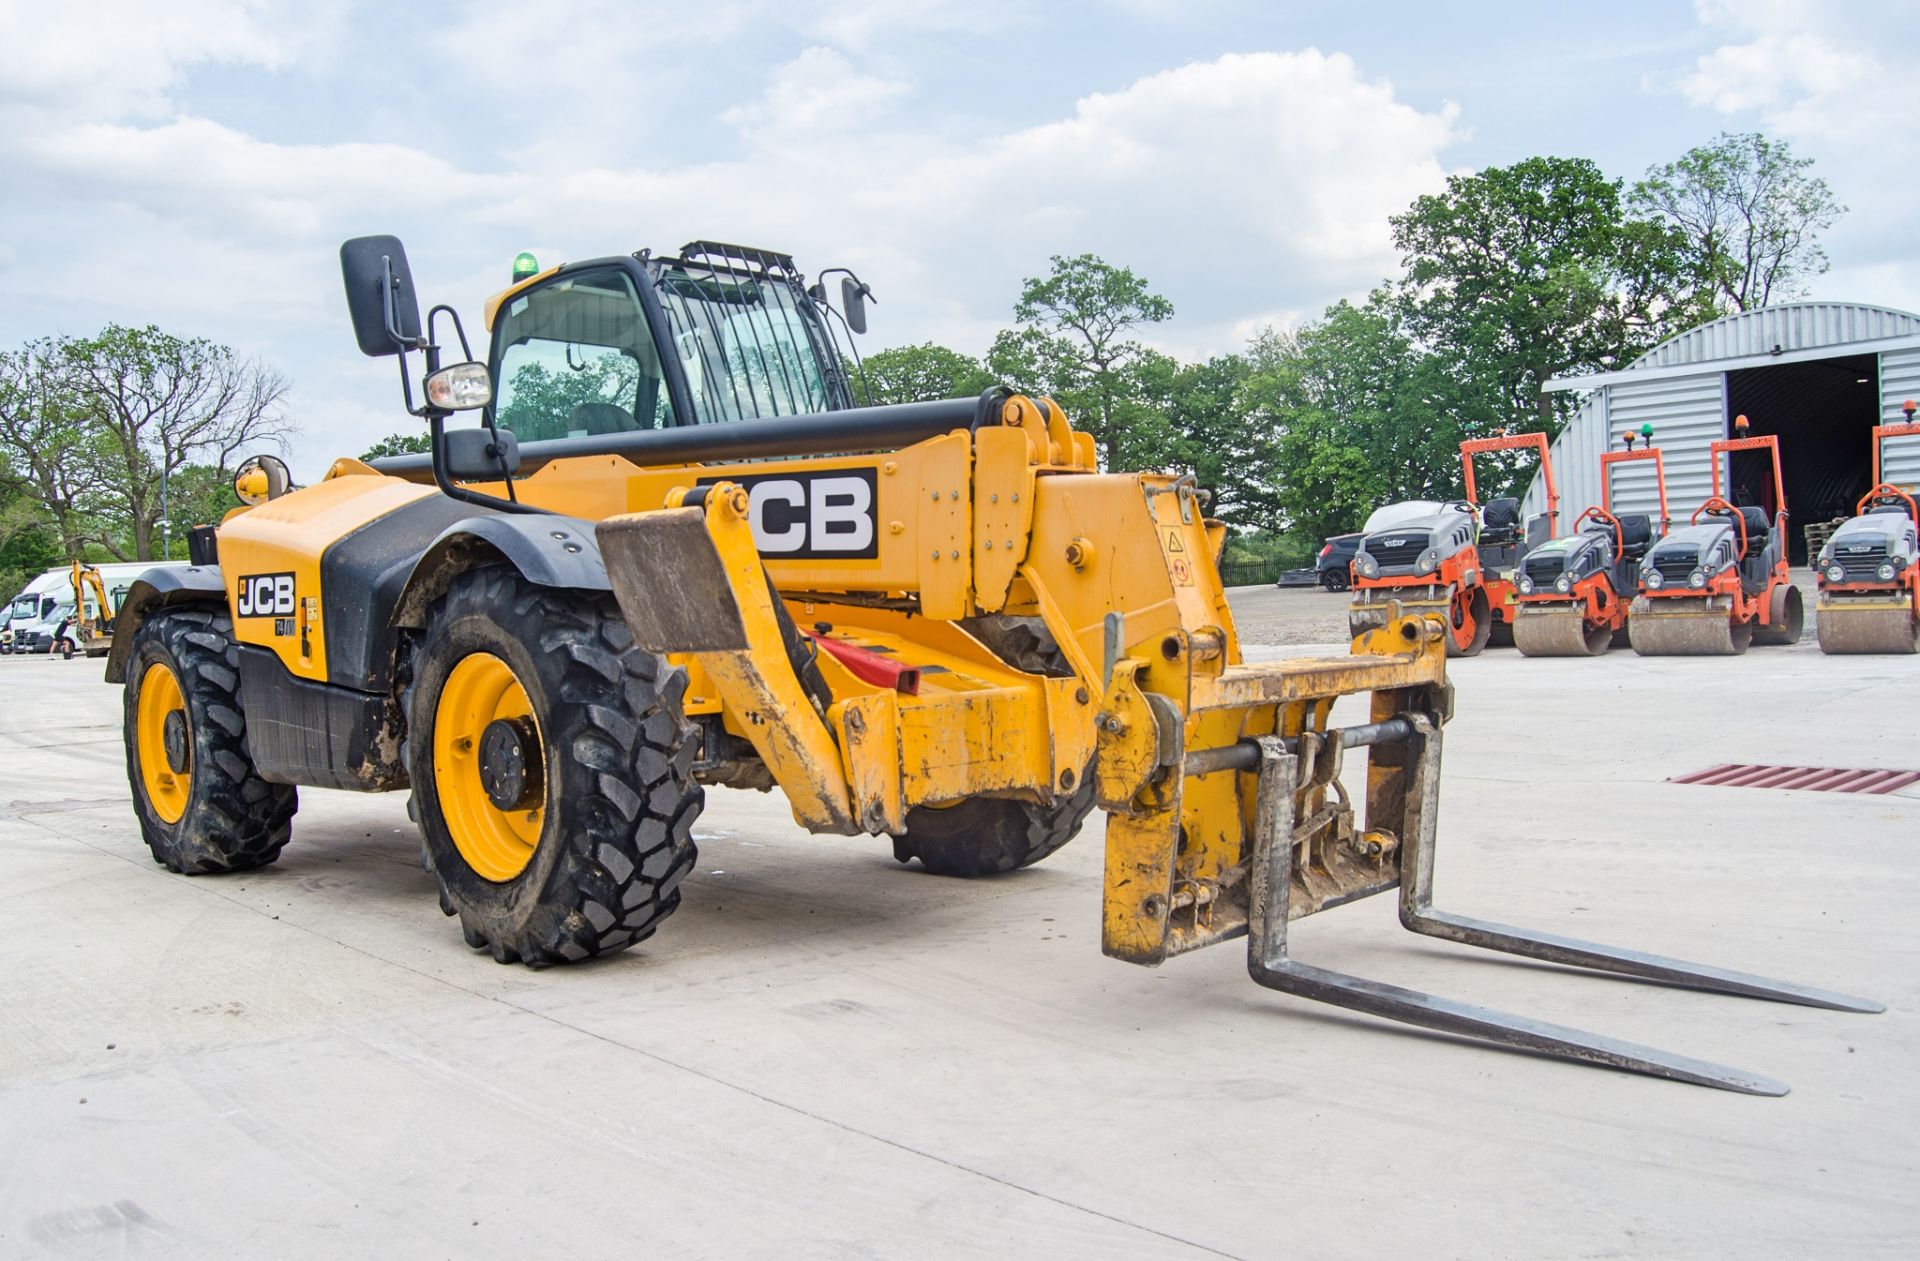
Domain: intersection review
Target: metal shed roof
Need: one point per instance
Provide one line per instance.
(1779, 330)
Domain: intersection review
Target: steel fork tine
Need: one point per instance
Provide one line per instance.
(1269, 877)
(1444, 1014)
(1586, 954)
(1418, 915)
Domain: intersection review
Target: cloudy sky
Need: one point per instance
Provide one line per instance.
(196, 163)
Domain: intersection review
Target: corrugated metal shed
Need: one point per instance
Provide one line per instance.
(1899, 381)
(1679, 387)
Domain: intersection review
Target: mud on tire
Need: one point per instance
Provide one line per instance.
(233, 819)
(620, 799)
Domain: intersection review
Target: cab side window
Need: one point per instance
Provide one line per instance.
(575, 358)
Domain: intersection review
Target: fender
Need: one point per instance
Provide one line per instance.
(154, 590)
(548, 550)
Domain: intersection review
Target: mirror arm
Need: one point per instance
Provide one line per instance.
(840, 369)
(437, 424)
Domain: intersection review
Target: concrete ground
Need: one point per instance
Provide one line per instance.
(825, 1054)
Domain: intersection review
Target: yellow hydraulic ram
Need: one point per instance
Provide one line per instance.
(1228, 811)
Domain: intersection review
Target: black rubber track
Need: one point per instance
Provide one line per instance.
(234, 820)
(621, 799)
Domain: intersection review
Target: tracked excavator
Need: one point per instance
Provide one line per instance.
(1574, 592)
(673, 553)
(1721, 582)
(1451, 559)
(1869, 570)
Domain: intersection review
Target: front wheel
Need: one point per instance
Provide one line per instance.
(1469, 622)
(552, 770)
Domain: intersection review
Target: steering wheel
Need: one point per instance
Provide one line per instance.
(1607, 518)
(1718, 507)
(1886, 494)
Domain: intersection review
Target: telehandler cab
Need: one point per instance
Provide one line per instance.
(1573, 592)
(1721, 582)
(1451, 559)
(939, 623)
(1869, 571)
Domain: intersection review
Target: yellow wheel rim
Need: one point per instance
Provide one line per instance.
(498, 844)
(167, 789)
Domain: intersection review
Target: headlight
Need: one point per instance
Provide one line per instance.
(1563, 584)
(1367, 566)
(1525, 584)
(1836, 573)
(1886, 571)
(1698, 579)
(1653, 578)
(1428, 560)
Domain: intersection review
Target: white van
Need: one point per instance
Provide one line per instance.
(45, 602)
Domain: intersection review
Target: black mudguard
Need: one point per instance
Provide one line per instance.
(158, 589)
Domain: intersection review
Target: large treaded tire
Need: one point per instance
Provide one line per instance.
(234, 820)
(620, 798)
(985, 836)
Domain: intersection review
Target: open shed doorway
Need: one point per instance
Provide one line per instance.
(1824, 411)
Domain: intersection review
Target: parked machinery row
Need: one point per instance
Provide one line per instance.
(1711, 586)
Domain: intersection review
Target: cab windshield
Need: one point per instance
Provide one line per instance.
(577, 359)
(747, 347)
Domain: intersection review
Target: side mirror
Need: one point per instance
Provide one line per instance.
(380, 296)
(260, 478)
(853, 301)
(482, 455)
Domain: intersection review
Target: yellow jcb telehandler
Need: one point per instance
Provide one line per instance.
(674, 553)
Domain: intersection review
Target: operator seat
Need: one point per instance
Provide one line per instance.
(1636, 534)
(1759, 527)
(599, 418)
(1500, 521)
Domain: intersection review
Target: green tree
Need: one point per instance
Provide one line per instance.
(158, 403)
(1358, 413)
(399, 444)
(1751, 215)
(1215, 434)
(199, 494)
(1522, 273)
(539, 401)
(920, 374)
(28, 542)
(53, 455)
(1074, 343)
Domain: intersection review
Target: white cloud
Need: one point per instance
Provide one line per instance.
(1241, 186)
(1806, 77)
(121, 57)
(817, 92)
(1807, 73)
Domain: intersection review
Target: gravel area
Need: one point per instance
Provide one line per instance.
(1289, 615)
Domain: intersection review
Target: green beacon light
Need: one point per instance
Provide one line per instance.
(525, 266)
(1646, 435)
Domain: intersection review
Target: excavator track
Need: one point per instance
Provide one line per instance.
(1685, 628)
(1867, 628)
(1559, 632)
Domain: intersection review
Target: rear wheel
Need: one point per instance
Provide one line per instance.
(1334, 580)
(1786, 617)
(552, 768)
(202, 805)
(984, 836)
